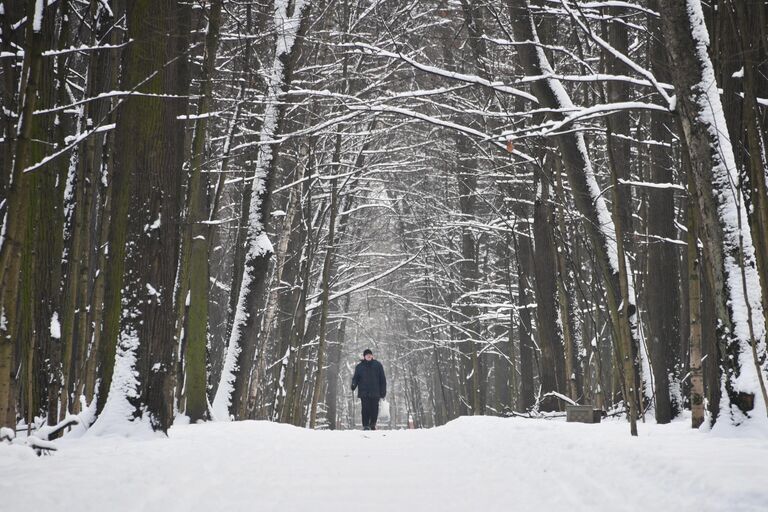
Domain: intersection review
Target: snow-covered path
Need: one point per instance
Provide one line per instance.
(470, 464)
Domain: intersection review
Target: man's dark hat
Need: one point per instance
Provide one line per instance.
(366, 352)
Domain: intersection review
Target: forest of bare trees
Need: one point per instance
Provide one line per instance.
(211, 207)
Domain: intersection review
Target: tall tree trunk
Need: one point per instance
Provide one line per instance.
(39, 334)
(751, 19)
(727, 239)
(567, 299)
(144, 240)
(548, 327)
(469, 273)
(54, 177)
(196, 241)
(694, 298)
(294, 303)
(618, 133)
(663, 294)
(473, 17)
(524, 252)
(288, 269)
(101, 163)
(233, 386)
(334, 364)
(326, 283)
(15, 227)
(590, 203)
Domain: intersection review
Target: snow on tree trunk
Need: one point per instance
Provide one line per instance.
(288, 20)
(725, 228)
(144, 236)
(589, 200)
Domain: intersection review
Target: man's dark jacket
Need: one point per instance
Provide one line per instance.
(369, 379)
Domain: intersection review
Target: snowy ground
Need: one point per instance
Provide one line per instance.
(470, 464)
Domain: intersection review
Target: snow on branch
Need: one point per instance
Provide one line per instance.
(462, 77)
(612, 3)
(443, 123)
(75, 141)
(85, 48)
(592, 112)
(110, 94)
(560, 396)
(595, 77)
(620, 56)
(363, 284)
(649, 184)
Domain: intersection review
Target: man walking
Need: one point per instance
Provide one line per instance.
(371, 386)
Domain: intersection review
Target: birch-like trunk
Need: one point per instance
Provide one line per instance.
(694, 301)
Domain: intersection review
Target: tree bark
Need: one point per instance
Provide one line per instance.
(663, 294)
(548, 327)
(724, 223)
(15, 228)
(751, 19)
(326, 282)
(467, 179)
(233, 386)
(196, 241)
(600, 226)
(694, 298)
(566, 292)
(524, 252)
(144, 229)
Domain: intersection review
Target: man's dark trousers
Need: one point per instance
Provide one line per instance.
(370, 408)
